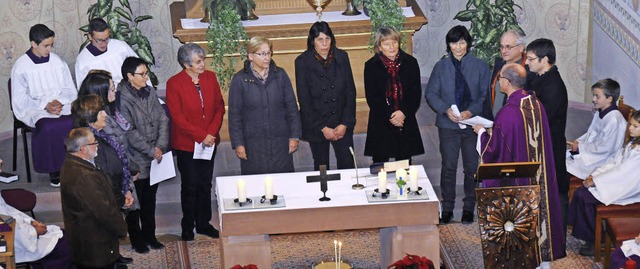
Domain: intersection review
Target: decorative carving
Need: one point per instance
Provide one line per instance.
(508, 219)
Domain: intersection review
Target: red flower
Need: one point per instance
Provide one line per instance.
(413, 262)
(249, 266)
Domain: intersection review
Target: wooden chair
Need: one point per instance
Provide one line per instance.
(17, 124)
(619, 229)
(626, 111)
(20, 199)
(604, 212)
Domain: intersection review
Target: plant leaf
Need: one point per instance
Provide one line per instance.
(125, 3)
(122, 13)
(84, 28)
(465, 15)
(142, 18)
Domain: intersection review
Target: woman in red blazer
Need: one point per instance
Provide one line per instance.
(196, 107)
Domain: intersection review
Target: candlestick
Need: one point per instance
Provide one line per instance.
(382, 181)
(630, 264)
(413, 178)
(401, 173)
(339, 254)
(268, 188)
(335, 252)
(242, 190)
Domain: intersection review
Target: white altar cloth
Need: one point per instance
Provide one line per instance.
(300, 195)
(296, 18)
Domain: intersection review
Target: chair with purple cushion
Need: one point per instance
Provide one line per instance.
(20, 199)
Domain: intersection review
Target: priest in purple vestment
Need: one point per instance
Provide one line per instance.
(520, 133)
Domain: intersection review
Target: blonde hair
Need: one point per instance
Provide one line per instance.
(255, 42)
(384, 34)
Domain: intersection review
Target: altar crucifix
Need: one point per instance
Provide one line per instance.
(323, 178)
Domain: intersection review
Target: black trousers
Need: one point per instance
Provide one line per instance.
(109, 266)
(195, 192)
(320, 152)
(141, 224)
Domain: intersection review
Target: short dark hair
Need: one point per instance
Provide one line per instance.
(456, 34)
(610, 87)
(543, 47)
(40, 32)
(97, 25)
(96, 82)
(319, 27)
(130, 65)
(85, 109)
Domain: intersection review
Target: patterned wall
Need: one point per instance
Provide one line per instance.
(564, 21)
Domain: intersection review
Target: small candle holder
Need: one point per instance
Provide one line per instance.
(272, 201)
(241, 204)
(383, 194)
(410, 192)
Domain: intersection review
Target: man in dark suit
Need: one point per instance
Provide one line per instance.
(92, 218)
(544, 79)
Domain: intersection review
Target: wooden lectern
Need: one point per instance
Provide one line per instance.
(508, 216)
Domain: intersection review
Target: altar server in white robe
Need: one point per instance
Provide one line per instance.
(617, 182)
(103, 52)
(42, 92)
(605, 135)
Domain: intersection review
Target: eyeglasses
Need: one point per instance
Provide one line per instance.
(145, 74)
(531, 59)
(499, 77)
(100, 41)
(113, 88)
(508, 47)
(94, 143)
(263, 54)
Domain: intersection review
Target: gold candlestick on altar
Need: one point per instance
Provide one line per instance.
(319, 5)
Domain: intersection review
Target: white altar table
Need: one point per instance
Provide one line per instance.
(406, 226)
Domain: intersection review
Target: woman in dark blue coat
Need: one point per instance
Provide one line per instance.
(327, 97)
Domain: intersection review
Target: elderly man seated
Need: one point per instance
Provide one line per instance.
(35, 241)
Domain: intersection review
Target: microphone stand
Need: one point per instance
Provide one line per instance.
(356, 186)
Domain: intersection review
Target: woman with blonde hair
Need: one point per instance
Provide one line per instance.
(264, 123)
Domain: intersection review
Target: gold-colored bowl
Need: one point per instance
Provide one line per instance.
(318, 6)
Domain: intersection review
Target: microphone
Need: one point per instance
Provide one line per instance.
(356, 186)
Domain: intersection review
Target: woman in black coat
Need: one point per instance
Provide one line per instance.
(327, 97)
(392, 87)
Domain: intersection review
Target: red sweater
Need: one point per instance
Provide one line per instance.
(189, 121)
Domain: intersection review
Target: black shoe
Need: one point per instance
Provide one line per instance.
(587, 249)
(155, 244)
(187, 235)
(142, 249)
(124, 260)
(467, 217)
(208, 231)
(446, 217)
(54, 179)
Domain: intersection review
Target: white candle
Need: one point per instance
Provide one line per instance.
(335, 252)
(242, 190)
(339, 254)
(268, 188)
(382, 181)
(401, 173)
(413, 178)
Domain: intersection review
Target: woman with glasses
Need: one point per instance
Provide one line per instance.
(148, 139)
(264, 124)
(196, 108)
(327, 96)
(88, 111)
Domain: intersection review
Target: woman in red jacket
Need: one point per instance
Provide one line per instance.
(196, 107)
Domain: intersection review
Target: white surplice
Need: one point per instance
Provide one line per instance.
(618, 181)
(34, 85)
(28, 246)
(111, 60)
(601, 141)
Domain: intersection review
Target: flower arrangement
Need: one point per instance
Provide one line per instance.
(248, 266)
(412, 262)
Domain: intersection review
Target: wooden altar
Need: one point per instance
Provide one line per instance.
(290, 40)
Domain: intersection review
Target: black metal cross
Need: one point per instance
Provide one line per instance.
(323, 178)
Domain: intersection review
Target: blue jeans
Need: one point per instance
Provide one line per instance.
(452, 142)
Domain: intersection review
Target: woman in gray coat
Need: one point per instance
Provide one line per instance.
(148, 139)
(264, 123)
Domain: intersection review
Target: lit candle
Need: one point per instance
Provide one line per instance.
(401, 173)
(339, 254)
(335, 252)
(268, 188)
(413, 178)
(242, 190)
(382, 181)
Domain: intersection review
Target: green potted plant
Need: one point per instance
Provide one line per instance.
(124, 26)
(488, 22)
(384, 13)
(225, 38)
(244, 8)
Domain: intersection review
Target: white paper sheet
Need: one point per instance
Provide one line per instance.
(478, 120)
(630, 247)
(456, 112)
(201, 152)
(163, 170)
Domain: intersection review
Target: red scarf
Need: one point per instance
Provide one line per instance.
(394, 86)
